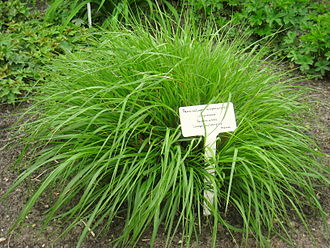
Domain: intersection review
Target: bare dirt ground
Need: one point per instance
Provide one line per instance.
(29, 237)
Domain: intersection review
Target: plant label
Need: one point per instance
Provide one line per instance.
(204, 120)
(208, 121)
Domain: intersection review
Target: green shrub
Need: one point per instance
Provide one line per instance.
(106, 136)
(27, 44)
(301, 27)
(311, 51)
(13, 11)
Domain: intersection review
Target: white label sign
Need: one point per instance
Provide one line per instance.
(211, 119)
(208, 120)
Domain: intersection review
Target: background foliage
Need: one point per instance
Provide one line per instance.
(301, 27)
(105, 12)
(27, 44)
(297, 29)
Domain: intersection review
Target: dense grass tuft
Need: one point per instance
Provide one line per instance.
(107, 133)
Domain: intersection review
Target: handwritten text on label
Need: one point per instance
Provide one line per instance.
(201, 120)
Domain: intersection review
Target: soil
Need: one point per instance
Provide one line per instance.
(28, 236)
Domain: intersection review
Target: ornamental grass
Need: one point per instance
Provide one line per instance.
(105, 134)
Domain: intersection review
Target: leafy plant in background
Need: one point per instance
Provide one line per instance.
(311, 50)
(105, 12)
(27, 44)
(106, 136)
(13, 10)
(300, 27)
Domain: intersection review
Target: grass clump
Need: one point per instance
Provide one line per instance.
(107, 133)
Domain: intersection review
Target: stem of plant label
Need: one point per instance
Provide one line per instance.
(210, 151)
